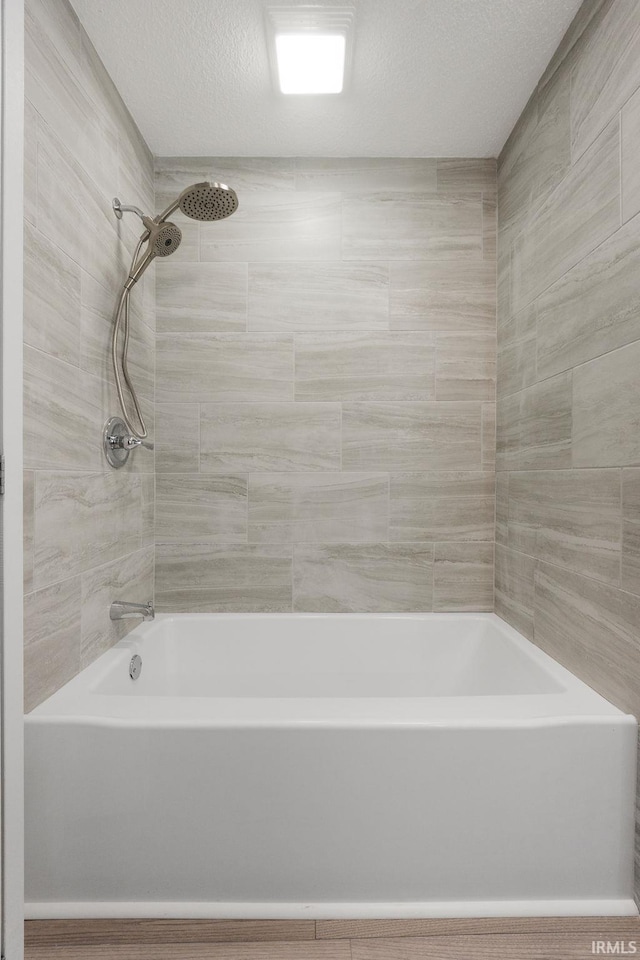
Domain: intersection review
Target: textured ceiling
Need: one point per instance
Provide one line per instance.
(430, 77)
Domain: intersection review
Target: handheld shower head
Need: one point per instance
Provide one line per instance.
(204, 201)
(164, 238)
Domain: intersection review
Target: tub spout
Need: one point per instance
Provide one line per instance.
(121, 610)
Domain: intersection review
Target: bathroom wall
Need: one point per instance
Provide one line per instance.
(568, 507)
(325, 389)
(89, 528)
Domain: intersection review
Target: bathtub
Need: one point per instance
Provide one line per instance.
(328, 766)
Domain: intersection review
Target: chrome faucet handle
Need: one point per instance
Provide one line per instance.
(122, 610)
(120, 442)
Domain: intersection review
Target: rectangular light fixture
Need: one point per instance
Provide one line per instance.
(310, 46)
(310, 62)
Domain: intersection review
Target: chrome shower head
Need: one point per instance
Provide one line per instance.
(204, 201)
(164, 239)
(208, 201)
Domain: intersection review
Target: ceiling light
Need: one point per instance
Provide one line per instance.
(310, 62)
(310, 46)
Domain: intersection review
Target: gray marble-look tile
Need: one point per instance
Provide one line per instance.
(465, 366)
(128, 578)
(594, 307)
(442, 485)
(177, 437)
(275, 225)
(28, 506)
(201, 297)
(63, 415)
(463, 577)
(30, 162)
(279, 437)
(631, 530)
(582, 212)
(412, 226)
(61, 99)
(467, 175)
(318, 296)
(374, 174)
(592, 629)
(534, 426)
(441, 295)
(606, 72)
(515, 589)
(502, 508)
(148, 495)
(489, 228)
(243, 174)
(411, 436)
(444, 518)
(630, 118)
(568, 517)
(517, 352)
(51, 297)
(51, 639)
(206, 577)
(606, 410)
(366, 578)
(203, 368)
(489, 436)
(570, 41)
(538, 152)
(333, 508)
(76, 525)
(364, 366)
(197, 507)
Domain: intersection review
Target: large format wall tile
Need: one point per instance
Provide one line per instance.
(630, 118)
(448, 506)
(77, 526)
(606, 73)
(516, 367)
(334, 508)
(51, 639)
(207, 367)
(461, 175)
(465, 366)
(593, 308)
(631, 530)
(349, 174)
(593, 628)
(201, 297)
(514, 589)
(365, 366)
(177, 437)
(606, 410)
(411, 436)
(463, 577)
(445, 296)
(373, 578)
(274, 225)
(318, 296)
(582, 211)
(51, 298)
(278, 437)
(534, 426)
(427, 226)
(199, 507)
(568, 517)
(206, 577)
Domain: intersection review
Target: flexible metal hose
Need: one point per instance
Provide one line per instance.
(123, 312)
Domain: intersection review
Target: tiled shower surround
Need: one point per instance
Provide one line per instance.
(325, 389)
(568, 519)
(88, 528)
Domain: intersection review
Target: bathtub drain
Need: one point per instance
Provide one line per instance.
(135, 667)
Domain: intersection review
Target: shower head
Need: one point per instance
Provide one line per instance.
(162, 240)
(204, 201)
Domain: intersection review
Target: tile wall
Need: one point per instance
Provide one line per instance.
(325, 389)
(568, 462)
(88, 528)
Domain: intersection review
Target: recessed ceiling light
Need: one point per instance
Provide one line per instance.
(310, 46)
(310, 62)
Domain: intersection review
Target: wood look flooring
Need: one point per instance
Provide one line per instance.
(554, 938)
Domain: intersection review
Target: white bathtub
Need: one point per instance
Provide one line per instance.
(328, 766)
